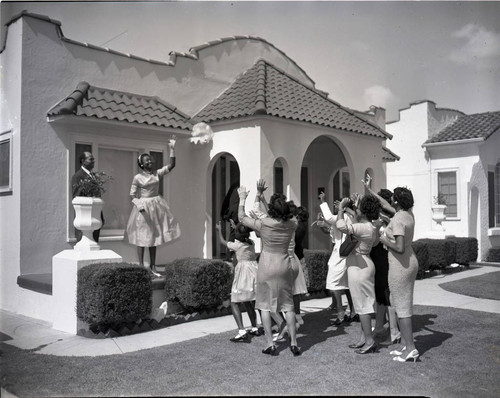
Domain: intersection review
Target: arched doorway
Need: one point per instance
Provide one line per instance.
(225, 180)
(324, 168)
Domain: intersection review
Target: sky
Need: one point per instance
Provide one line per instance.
(381, 53)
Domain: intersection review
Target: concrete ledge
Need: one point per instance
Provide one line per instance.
(40, 283)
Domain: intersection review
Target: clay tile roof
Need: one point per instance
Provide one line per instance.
(388, 155)
(479, 125)
(102, 103)
(265, 90)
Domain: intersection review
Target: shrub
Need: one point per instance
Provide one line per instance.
(317, 268)
(111, 294)
(422, 253)
(198, 283)
(466, 250)
(441, 252)
(493, 255)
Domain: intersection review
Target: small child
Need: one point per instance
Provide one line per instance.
(244, 282)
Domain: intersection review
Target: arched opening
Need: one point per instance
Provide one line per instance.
(278, 176)
(324, 168)
(225, 181)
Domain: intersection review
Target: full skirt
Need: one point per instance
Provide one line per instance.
(155, 226)
(244, 282)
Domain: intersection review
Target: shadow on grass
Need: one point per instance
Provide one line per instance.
(316, 329)
(433, 338)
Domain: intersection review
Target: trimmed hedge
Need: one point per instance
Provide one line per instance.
(317, 268)
(441, 253)
(493, 255)
(198, 283)
(466, 250)
(421, 250)
(112, 294)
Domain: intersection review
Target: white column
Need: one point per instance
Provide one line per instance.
(65, 266)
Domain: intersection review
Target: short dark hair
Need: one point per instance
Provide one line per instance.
(242, 233)
(370, 207)
(139, 159)
(385, 194)
(302, 214)
(83, 156)
(279, 208)
(404, 197)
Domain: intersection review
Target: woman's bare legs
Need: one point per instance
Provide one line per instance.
(140, 254)
(266, 322)
(393, 323)
(235, 309)
(366, 328)
(249, 306)
(406, 327)
(152, 258)
(290, 323)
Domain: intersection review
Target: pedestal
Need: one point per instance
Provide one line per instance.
(65, 266)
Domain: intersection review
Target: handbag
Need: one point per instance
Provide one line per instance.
(347, 245)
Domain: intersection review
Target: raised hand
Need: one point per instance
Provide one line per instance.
(367, 181)
(322, 196)
(261, 186)
(172, 141)
(242, 192)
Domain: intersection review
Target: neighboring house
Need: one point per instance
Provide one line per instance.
(61, 97)
(446, 152)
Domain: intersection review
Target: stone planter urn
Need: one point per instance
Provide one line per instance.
(87, 219)
(438, 214)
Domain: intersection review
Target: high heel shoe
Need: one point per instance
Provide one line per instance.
(271, 350)
(372, 348)
(412, 355)
(295, 350)
(396, 340)
(239, 337)
(396, 352)
(356, 345)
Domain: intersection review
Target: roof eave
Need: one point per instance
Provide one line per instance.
(454, 142)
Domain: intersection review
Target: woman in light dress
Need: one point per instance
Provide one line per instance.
(275, 274)
(360, 267)
(403, 268)
(151, 222)
(244, 280)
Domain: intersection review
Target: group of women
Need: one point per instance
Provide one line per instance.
(381, 268)
(382, 261)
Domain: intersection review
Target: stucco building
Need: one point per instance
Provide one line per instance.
(61, 97)
(447, 152)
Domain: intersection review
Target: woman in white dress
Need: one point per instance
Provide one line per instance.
(151, 222)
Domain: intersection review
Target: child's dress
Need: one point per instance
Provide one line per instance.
(155, 225)
(245, 272)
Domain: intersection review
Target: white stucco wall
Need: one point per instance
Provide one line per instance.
(13, 298)
(418, 170)
(489, 153)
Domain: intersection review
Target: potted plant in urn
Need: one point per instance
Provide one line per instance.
(438, 209)
(87, 202)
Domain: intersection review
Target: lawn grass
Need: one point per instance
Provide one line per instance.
(460, 358)
(482, 286)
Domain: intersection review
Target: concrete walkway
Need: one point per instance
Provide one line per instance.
(32, 334)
